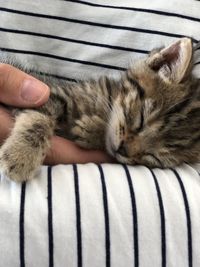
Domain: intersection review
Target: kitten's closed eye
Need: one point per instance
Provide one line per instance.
(142, 118)
(165, 80)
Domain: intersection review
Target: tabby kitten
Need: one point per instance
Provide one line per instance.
(150, 116)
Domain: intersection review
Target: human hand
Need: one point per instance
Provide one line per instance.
(19, 89)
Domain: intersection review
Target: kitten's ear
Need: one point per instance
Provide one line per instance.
(172, 63)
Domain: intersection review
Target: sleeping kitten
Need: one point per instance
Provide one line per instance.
(150, 116)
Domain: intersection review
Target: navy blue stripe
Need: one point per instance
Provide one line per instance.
(115, 47)
(106, 217)
(50, 216)
(55, 76)
(17, 51)
(96, 24)
(78, 216)
(188, 218)
(134, 215)
(51, 75)
(21, 225)
(162, 219)
(151, 11)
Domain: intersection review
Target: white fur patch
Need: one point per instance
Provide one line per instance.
(112, 133)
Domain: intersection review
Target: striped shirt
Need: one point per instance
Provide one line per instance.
(102, 215)
(80, 39)
(98, 215)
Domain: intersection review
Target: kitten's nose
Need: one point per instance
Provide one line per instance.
(122, 149)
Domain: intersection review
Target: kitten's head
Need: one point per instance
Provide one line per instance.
(155, 116)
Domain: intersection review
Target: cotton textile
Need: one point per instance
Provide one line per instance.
(77, 40)
(102, 215)
(98, 215)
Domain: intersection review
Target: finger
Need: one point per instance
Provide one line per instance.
(20, 89)
(63, 151)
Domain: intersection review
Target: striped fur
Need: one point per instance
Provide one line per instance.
(149, 116)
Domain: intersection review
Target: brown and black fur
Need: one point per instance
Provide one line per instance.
(150, 116)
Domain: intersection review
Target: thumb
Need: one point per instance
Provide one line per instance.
(20, 89)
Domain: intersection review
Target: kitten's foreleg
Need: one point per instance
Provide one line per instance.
(24, 150)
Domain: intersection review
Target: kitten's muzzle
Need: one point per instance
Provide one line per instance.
(120, 152)
(122, 149)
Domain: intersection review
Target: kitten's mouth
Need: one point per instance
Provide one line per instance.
(113, 152)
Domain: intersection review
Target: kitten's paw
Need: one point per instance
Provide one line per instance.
(89, 132)
(19, 163)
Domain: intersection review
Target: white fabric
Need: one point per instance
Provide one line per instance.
(92, 223)
(93, 34)
(40, 222)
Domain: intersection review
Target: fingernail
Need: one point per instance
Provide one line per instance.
(33, 91)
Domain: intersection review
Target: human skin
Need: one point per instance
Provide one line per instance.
(19, 89)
